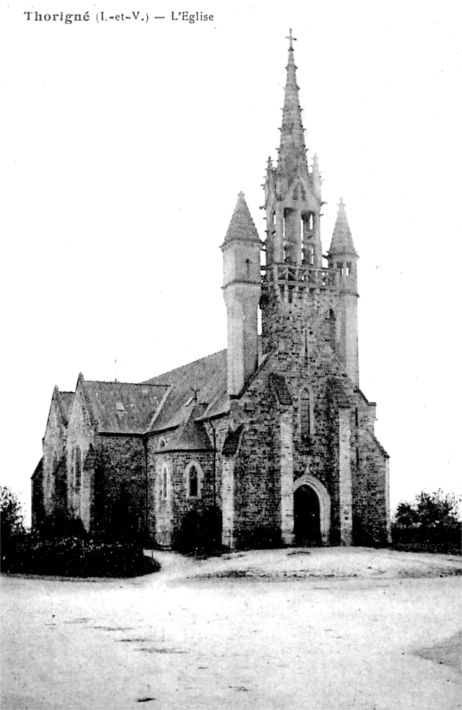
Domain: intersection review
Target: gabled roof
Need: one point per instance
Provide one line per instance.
(122, 407)
(203, 380)
(191, 436)
(61, 402)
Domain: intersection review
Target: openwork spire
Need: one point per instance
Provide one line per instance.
(342, 241)
(292, 150)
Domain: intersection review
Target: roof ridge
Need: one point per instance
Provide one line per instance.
(180, 367)
(112, 382)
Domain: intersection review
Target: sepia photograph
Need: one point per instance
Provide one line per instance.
(231, 238)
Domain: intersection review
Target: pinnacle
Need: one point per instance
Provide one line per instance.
(242, 226)
(342, 241)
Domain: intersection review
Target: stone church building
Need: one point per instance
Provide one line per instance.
(271, 438)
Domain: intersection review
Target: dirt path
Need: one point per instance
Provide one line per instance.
(262, 630)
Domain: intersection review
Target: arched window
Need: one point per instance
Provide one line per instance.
(164, 482)
(193, 482)
(52, 475)
(78, 469)
(305, 413)
(193, 477)
(332, 329)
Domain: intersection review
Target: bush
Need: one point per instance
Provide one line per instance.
(76, 557)
(430, 523)
(61, 546)
(11, 516)
(60, 525)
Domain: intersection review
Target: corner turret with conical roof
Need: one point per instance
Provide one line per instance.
(241, 291)
(342, 241)
(342, 256)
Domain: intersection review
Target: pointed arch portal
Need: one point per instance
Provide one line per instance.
(311, 511)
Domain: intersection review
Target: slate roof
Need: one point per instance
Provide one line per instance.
(242, 226)
(121, 407)
(342, 241)
(206, 377)
(191, 436)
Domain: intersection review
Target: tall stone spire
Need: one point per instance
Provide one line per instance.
(292, 150)
(292, 192)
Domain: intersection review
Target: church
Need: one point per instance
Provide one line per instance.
(269, 442)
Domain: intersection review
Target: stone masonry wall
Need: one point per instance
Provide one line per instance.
(298, 328)
(81, 434)
(120, 485)
(54, 447)
(166, 512)
(371, 514)
(257, 469)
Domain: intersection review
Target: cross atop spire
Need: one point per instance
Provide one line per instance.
(292, 158)
(291, 39)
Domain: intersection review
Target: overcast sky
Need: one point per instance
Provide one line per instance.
(124, 146)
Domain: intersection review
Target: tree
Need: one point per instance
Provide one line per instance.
(11, 516)
(431, 519)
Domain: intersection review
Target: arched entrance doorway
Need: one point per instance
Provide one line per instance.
(311, 511)
(307, 522)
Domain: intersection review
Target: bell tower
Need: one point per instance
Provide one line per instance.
(292, 191)
(296, 289)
